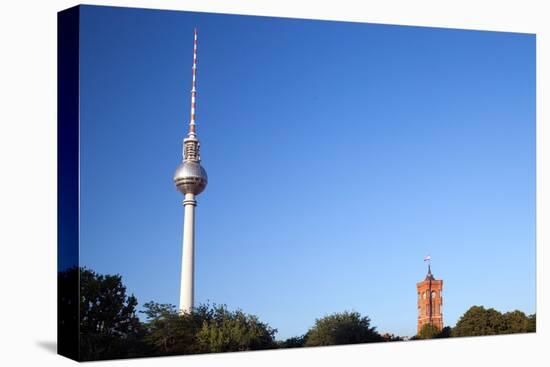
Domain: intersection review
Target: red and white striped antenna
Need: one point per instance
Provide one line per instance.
(194, 86)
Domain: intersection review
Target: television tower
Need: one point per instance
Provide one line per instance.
(190, 179)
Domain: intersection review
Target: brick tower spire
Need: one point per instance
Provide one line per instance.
(430, 300)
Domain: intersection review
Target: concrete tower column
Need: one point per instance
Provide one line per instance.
(190, 179)
(187, 290)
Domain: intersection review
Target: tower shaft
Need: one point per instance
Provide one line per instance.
(187, 291)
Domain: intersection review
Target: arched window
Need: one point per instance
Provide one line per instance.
(433, 294)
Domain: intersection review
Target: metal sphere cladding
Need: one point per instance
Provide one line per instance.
(190, 177)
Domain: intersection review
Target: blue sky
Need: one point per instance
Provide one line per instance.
(338, 155)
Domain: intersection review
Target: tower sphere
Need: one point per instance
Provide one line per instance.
(190, 177)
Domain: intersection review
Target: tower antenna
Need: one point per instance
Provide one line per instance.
(194, 85)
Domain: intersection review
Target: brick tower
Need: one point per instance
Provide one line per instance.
(430, 301)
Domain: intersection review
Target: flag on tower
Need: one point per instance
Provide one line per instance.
(427, 258)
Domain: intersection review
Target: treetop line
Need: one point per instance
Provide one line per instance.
(110, 328)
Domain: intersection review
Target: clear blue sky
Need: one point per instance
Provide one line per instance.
(338, 154)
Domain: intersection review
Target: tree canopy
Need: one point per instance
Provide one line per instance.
(532, 323)
(428, 331)
(109, 327)
(231, 331)
(169, 332)
(342, 328)
(207, 328)
(293, 342)
(481, 321)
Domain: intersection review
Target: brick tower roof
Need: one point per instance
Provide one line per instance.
(429, 275)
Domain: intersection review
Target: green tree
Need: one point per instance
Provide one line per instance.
(428, 331)
(293, 342)
(170, 332)
(532, 323)
(109, 327)
(231, 331)
(207, 328)
(515, 322)
(479, 321)
(342, 328)
(444, 333)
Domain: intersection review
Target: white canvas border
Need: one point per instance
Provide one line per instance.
(28, 195)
